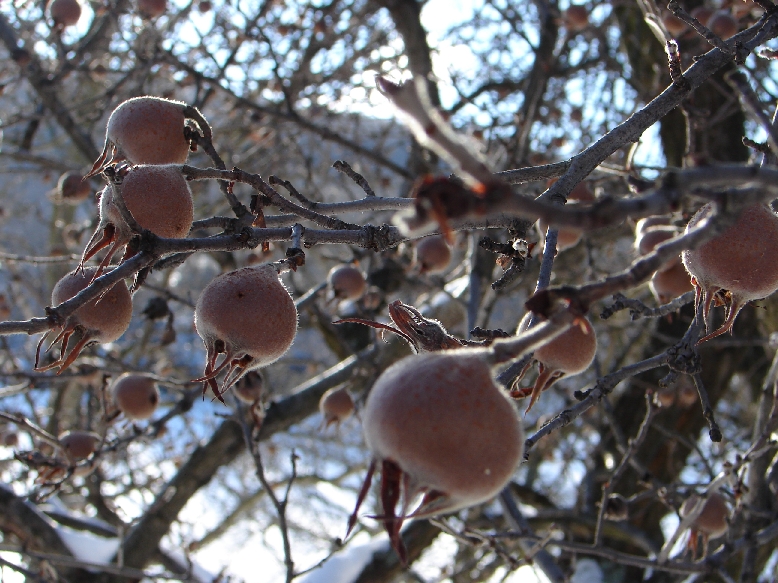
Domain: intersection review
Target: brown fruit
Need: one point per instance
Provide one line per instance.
(79, 445)
(346, 282)
(9, 438)
(723, 24)
(453, 433)
(743, 261)
(249, 316)
(687, 394)
(712, 520)
(145, 130)
(159, 199)
(702, 14)
(204, 6)
(250, 388)
(72, 188)
(335, 406)
(674, 25)
(575, 18)
(152, 8)
(64, 12)
(432, 254)
(570, 353)
(102, 320)
(136, 395)
(649, 238)
(665, 398)
(670, 283)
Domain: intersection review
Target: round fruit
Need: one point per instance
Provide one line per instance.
(9, 438)
(72, 188)
(249, 316)
(79, 445)
(152, 8)
(104, 319)
(336, 405)
(454, 435)
(159, 199)
(575, 18)
(346, 282)
(250, 388)
(65, 12)
(702, 14)
(432, 254)
(570, 353)
(670, 283)
(741, 261)
(135, 395)
(648, 239)
(723, 24)
(145, 130)
(674, 25)
(711, 522)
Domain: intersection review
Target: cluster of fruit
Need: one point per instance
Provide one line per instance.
(437, 423)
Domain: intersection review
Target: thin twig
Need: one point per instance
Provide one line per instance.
(343, 166)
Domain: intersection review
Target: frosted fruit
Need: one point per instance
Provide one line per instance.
(346, 282)
(145, 130)
(135, 395)
(569, 353)
(670, 283)
(79, 445)
(441, 419)
(72, 188)
(159, 199)
(64, 12)
(250, 388)
(102, 320)
(335, 406)
(743, 260)
(723, 24)
(675, 26)
(432, 254)
(711, 522)
(249, 316)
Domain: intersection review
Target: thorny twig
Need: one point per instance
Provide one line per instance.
(343, 166)
(634, 445)
(280, 505)
(638, 309)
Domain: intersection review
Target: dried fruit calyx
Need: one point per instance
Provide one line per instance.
(145, 130)
(742, 262)
(440, 427)
(103, 319)
(249, 316)
(159, 199)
